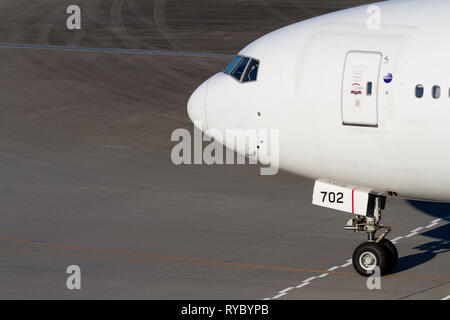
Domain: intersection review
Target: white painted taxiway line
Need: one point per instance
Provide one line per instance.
(414, 232)
(433, 223)
(349, 261)
(333, 268)
(395, 240)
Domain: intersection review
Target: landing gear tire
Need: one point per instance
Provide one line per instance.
(392, 254)
(369, 255)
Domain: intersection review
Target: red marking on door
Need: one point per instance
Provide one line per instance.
(353, 200)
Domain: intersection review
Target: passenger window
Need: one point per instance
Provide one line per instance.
(369, 89)
(239, 70)
(436, 92)
(252, 71)
(229, 68)
(419, 91)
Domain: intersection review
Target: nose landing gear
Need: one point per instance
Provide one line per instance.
(377, 251)
(365, 205)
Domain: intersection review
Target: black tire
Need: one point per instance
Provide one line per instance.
(374, 254)
(392, 254)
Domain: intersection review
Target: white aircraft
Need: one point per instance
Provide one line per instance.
(361, 98)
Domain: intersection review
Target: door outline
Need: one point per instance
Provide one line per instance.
(377, 89)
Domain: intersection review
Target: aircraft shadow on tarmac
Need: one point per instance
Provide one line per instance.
(435, 209)
(429, 250)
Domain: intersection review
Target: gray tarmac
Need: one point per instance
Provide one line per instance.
(86, 176)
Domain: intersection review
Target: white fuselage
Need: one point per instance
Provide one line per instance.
(386, 139)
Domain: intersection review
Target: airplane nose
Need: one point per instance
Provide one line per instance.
(196, 106)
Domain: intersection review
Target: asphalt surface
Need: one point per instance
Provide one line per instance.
(86, 176)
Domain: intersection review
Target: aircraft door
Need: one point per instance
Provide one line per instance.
(360, 88)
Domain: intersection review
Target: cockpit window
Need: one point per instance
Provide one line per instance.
(232, 65)
(252, 71)
(239, 70)
(243, 69)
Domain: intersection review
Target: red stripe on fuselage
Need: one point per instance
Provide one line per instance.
(353, 200)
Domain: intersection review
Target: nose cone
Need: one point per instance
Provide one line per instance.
(196, 107)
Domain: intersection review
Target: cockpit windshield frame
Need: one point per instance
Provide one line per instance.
(244, 73)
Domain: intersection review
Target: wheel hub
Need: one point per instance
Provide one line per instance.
(368, 261)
